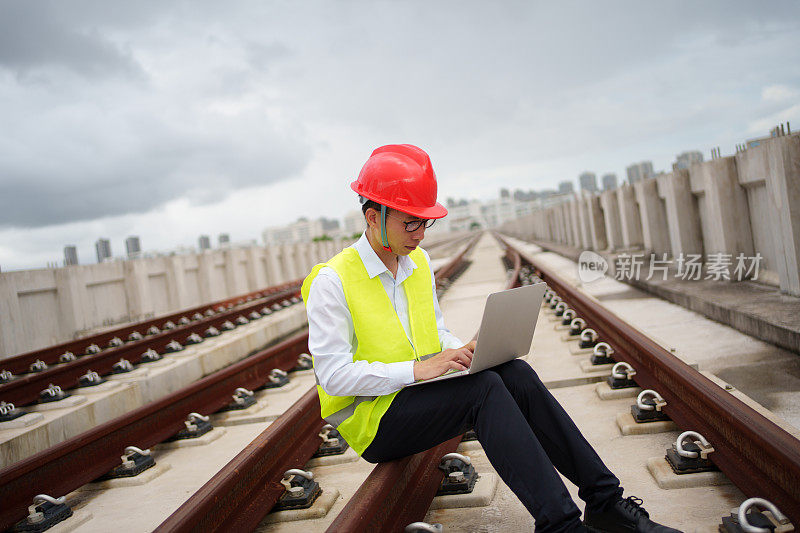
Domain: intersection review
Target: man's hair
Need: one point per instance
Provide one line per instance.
(370, 203)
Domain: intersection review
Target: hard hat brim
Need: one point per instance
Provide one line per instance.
(436, 210)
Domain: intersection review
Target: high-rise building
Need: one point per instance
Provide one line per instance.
(588, 181)
(640, 171)
(103, 248)
(565, 187)
(204, 242)
(132, 246)
(224, 239)
(686, 159)
(609, 181)
(505, 193)
(70, 255)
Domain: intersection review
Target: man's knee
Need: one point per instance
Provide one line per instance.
(518, 374)
(486, 381)
(517, 368)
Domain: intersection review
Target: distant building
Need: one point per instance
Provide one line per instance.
(463, 216)
(565, 187)
(354, 222)
(132, 246)
(504, 193)
(204, 242)
(103, 248)
(686, 159)
(70, 255)
(588, 181)
(329, 224)
(609, 182)
(224, 239)
(640, 171)
(305, 230)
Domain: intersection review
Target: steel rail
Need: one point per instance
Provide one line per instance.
(452, 267)
(231, 501)
(87, 456)
(399, 492)
(757, 455)
(20, 364)
(238, 496)
(25, 389)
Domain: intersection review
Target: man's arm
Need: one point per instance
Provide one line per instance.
(331, 340)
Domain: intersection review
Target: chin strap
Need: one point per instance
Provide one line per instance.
(384, 239)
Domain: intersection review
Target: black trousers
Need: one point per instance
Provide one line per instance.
(524, 431)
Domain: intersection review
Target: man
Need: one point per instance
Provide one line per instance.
(375, 326)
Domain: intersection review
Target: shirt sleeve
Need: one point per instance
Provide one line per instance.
(446, 339)
(332, 343)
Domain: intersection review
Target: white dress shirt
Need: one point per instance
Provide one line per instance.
(331, 336)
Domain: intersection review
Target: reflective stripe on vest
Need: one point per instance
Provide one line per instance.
(380, 335)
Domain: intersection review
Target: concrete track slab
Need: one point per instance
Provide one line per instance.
(64, 420)
(764, 372)
(121, 393)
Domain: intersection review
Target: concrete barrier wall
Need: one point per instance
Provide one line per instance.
(39, 308)
(748, 203)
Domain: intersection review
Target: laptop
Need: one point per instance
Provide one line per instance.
(506, 331)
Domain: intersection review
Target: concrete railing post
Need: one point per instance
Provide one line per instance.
(727, 216)
(575, 223)
(653, 216)
(137, 288)
(584, 230)
(289, 267)
(597, 225)
(176, 282)
(205, 276)
(73, 302)
(683, 219)
(608, 200)
(275, 275)
(629, 218)
(783, 186)
(10, 319)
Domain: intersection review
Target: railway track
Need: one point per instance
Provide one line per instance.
(81, 459)
(64, 365)
(758, 456)
(400, 492)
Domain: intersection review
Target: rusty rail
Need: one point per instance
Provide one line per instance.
(452, 267)
(757, 455)
(236, 498)
(25, 389)
(399, 492)
(83, 458)
(19, 364)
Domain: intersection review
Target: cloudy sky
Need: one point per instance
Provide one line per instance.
(170, 119)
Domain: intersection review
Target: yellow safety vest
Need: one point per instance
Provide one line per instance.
(380, 337)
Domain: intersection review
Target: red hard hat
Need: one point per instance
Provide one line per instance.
(400, 176)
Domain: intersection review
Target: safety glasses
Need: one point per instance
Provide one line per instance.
(414, 225)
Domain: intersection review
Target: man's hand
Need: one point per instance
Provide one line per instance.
(455, 358)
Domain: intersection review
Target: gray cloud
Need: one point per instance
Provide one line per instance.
(111, 108)
(32, 37)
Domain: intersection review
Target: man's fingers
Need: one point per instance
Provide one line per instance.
(456, 365)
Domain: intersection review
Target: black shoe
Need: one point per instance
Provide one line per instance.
(625, 516)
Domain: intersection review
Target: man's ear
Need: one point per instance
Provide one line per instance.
(373, 217)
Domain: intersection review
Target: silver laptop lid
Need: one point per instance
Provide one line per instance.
(506, 331)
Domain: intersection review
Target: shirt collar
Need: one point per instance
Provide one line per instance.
(373, 263)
